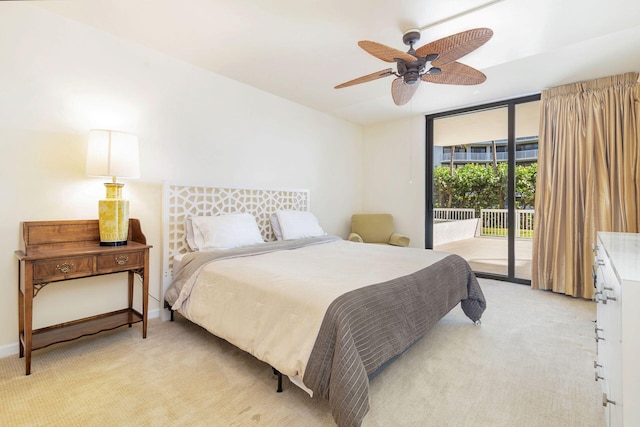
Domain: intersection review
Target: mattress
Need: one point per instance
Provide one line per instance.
(271, 300)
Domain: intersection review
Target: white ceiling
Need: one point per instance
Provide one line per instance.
(301, 49)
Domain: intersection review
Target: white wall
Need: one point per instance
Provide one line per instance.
(60, 79)
(394, 174)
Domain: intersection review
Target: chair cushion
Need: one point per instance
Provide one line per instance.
(373, 228)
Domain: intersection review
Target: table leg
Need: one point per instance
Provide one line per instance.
(20, 309)
(145, 293)
(28, 324)
(130, 295)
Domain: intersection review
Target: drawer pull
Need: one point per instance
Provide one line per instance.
(122, 259)
(598, 377)
(65, 268)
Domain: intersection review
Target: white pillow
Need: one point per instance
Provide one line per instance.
(275, 226)
(226, 231)
(195, 239)
(298, 225)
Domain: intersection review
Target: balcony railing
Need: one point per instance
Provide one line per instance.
(494, 221)
(502, 156)
(453, 214)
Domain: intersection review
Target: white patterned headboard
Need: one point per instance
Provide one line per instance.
(182, 201)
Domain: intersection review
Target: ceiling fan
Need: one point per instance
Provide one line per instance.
(435, 62)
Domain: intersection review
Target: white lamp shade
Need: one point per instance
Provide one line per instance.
(112, 153)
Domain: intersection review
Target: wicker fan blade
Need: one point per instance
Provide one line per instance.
(456, 73)
(367, 78)
(383, 52)
(456, 46)
(402, 92)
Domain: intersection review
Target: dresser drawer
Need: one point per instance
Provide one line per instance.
(120, 261)
(62, 269)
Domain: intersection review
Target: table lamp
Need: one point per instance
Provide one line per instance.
(113, 154)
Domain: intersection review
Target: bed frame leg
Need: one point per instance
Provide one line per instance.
(276, 372)
(168, 307)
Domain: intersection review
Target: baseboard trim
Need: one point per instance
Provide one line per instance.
(13, 348)
(9, 349)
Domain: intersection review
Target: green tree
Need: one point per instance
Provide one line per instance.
(526, 185)
(443, 186)
(482, 187)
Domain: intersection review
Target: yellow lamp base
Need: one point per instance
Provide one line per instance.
(113, 217)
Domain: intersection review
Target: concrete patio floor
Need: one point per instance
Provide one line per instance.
(489, 254)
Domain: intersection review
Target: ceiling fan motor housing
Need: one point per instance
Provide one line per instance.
(411, 72)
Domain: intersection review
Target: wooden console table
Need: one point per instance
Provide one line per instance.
(54, 251)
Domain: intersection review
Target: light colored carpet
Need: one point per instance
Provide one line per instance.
(529, 364)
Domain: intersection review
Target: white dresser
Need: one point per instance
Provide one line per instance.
(617, 328)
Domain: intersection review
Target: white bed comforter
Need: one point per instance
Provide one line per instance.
(272, 304)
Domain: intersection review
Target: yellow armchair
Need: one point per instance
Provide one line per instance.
(375, 228)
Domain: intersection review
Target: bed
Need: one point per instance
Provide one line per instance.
(326, 312)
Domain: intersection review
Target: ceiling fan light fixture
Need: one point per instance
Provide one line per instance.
(411, 77)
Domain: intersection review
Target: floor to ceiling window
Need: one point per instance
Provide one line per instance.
(480, 185)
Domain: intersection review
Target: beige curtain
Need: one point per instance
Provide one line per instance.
(588, 177)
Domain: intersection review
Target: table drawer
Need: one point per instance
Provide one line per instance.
(120, 261)
(62, 269)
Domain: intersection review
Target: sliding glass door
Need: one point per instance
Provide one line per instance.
(480, 176)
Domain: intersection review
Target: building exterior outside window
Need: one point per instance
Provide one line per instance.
(481, 152)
